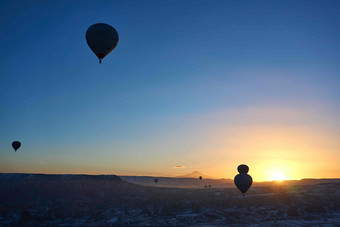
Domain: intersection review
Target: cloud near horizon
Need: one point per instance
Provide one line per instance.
(178, 167)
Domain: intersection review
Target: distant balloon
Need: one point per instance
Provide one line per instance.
(102, 39)
(209, 185)
(16, 145)
(200, 178)
(205, 186)
(243, 168)
(243, 181)
(156, 180)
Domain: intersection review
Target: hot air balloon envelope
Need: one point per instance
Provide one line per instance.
(243, 182)
(243, 168)
(102, 39)
(16, 145)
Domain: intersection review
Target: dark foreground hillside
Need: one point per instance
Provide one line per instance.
(106, 200)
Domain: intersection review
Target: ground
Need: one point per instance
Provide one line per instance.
(80, 200)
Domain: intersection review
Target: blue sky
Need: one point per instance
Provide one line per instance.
(151, 103)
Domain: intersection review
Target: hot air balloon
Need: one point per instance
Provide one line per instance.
(243, 181)
(102, 39)
(156, 180)
(205, 186)
(200, 177)
(16, 145)
(243, 168)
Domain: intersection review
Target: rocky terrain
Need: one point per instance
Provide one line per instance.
(107, 200)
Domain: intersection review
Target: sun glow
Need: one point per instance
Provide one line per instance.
(278, 176)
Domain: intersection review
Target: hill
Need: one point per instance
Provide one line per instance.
(196, 174)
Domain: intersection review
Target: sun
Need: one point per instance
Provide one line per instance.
(277, 176)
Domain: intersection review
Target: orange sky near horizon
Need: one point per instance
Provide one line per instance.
(274, 142)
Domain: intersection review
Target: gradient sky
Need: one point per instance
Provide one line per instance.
(206, 85)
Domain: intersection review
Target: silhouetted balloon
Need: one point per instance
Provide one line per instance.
(243, 182)
(16, 145)
(205, 186)
(243, 168)
(156, 180)
(209, 185)
(102, 39)
(200, 178)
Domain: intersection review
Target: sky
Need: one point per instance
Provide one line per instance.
(191, 85)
